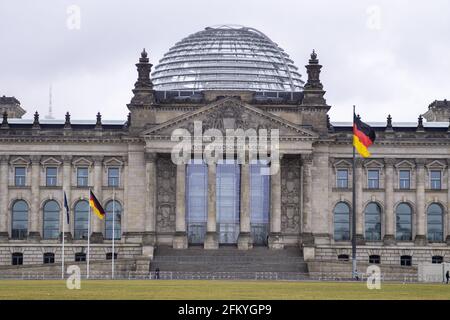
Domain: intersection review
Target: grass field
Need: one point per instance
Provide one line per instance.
(203, 289)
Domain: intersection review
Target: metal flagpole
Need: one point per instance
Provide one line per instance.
(354, 271)
(89, 238)
(113, 232)
(62, 254)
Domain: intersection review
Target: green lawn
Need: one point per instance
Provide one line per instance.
(204, 289)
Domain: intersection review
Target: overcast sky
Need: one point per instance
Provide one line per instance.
(383, 56)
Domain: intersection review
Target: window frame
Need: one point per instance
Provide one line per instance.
(20, 180)
(79, 177)
(429, 223)
(118, 223)
(406, 261)
(348, 231)
(16, 258)
(338, 179)
(22, 232)
(112, 178)
(78, 255)
(369, 186)
(439, 180)
(437, 259)
(411, 224)
(400, 179)
(48, 179)
(48, 257)
(374, 259)
(45, 220)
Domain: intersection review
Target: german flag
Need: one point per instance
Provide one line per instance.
(363, 136)
(95, 205)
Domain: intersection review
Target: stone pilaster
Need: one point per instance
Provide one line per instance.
(307, 235)
(275, 238)
(97, 224)
(359, 202)
(180, 238)
(4, 198)
(67, 184)
(420, 238)
(211, 240)
(34, 233)
(245, 240)
(149, 237)
(389, 218)
(447, 239)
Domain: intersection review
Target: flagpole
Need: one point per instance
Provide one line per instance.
(89, 239)
(354, 271)
(113, 232)
(63, 227)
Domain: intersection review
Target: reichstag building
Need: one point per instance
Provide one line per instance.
(227, 77)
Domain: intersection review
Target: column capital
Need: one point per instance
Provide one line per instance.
(420, 162)
(359, 163)
(98, 160)
(67, 159)
(389, 162)
(151, 156)
(4, 159)
(35, 159)
(307, 159)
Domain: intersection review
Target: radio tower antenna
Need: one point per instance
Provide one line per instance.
(49, 116)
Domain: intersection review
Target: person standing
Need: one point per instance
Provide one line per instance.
(447, 275)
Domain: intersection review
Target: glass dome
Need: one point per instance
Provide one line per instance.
(227, 58)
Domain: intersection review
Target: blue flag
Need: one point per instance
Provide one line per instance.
(66, 205)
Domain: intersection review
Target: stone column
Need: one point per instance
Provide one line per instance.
(275, 238)
(389, 218)
(67, 186)
(4, 209)
(149, 237)
(420, 238)
(180, 238)
(34, 233)
(96, 223)
(211, 240)
(307, 235)
(245, 239)
(359, 202)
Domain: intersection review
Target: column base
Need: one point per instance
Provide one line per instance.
(307, 238)
(149, 239)
(67, 237)
(34, 236)
(4, 236)
(360, 240)
(211, 241)
(309, 253)
(420, 240)
(245, 241)
(180, 241)
(276, 241)
(389, 240)
(96, 237)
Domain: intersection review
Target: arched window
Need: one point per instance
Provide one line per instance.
(435, 224)
(51, 220)
(19, 227)
(404, 222)
(341, 222)
(373, 222)
(116, 207)
(81, 219)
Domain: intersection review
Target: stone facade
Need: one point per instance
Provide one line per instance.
(151, 189)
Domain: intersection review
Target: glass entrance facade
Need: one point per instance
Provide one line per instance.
(227, 201)
(196, 201)
(259, 202)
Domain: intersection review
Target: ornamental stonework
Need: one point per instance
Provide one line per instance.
(166, 192)
(290, 195)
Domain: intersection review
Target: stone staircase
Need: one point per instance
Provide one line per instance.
(228, 259)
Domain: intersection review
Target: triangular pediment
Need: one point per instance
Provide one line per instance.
(231, 113)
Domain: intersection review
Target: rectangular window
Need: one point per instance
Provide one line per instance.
(51, 176)
(113, 177)
(404, 179)
(82, 177)
(17, 259)
(405, 261)
(19, 176)
(373, 179)
(342, 178)
(435, 179)
(49, 258)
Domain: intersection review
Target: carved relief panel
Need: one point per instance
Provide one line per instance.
(290, 195)
(166, 192)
